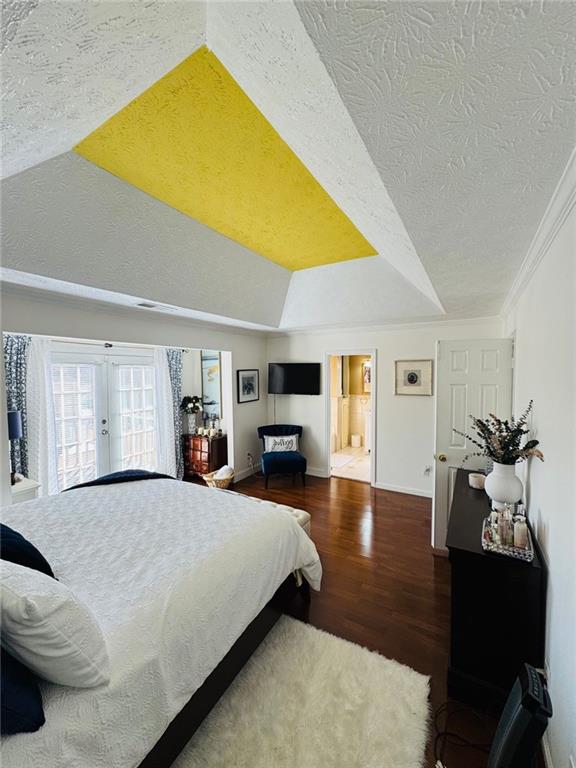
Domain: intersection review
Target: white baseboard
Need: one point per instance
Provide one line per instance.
(242, 474)
(404, 489)
(439, 551)
(546, 752)
(317, 472)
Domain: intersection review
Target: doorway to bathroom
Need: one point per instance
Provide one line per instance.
(351, 416)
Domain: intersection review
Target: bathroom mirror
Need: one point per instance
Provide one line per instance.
(211, 383)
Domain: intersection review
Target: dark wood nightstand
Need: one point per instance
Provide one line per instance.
(203, 454)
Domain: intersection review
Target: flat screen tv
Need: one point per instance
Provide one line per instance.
(294, 378)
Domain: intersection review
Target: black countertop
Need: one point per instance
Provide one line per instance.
(469, 508)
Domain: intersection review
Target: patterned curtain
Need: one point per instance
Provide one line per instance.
(175, 368)
(15, 365)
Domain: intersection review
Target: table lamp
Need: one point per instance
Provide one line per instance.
(14, 433)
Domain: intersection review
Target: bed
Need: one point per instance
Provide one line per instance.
(181, 580)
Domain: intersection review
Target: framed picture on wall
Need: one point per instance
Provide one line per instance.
(413, 377)
(248, 385)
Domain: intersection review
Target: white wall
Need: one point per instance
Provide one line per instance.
(405, 425)
(544, 321)
(38, 312)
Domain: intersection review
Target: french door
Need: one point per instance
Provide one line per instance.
(105, 414)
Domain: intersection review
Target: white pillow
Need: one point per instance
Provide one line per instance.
(274, 443)
(47, 628)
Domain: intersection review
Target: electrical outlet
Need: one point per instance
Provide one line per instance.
(249, 457)
(428, 469)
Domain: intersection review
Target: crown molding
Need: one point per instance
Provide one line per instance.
(560, 205)
(408, 325)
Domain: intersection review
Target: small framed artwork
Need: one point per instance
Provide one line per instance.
(413, 377)
(248, 385)
(367, 376)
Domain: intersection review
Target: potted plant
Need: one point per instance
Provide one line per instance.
(501, 441)
(191, 405)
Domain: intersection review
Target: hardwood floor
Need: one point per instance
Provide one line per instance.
(382, 586)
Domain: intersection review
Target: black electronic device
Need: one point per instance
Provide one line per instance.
(294, 378)
(523, 722)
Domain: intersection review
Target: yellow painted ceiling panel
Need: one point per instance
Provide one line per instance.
(197, 142)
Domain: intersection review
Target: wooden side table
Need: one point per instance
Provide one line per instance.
(24, 490)
(203, 454)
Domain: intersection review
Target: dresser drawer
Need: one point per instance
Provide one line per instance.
(202, 454)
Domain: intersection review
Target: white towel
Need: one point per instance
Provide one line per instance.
(223, 472)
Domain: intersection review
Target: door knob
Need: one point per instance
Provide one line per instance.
(441, 457)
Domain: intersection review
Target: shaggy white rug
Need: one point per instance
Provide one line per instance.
(308, 699)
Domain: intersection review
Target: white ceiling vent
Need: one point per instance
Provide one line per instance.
(159, 307)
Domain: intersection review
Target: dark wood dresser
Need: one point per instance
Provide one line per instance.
(498, 606)
(203, 454)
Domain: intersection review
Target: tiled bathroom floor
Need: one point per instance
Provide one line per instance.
(351, 463)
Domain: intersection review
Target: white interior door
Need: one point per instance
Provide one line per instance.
(472, 377)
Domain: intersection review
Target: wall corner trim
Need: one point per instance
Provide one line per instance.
(561, 203)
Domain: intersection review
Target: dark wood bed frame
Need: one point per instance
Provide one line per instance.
(187, 721)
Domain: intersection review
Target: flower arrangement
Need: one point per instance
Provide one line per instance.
(500, 440)
(191, 404)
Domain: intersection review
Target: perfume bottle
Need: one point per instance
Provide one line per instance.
(520, 534)
(505, 527)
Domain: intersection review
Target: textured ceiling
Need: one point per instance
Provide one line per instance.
(468, 110)
(353, 293)
(69, 226)
(195, 141)
(68, 66)
(266, 48)
(68, 220)
(440, 129)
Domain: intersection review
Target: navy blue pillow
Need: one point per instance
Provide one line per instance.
(20, 699)
(15, 548)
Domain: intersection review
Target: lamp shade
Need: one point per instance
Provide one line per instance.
(14, 425)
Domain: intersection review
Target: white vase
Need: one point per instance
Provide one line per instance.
(191, 423)
(503, 486)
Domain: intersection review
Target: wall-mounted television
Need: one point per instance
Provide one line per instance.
(294, 378)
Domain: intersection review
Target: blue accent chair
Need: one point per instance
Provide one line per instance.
(282, 462)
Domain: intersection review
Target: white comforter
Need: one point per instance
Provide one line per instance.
(174, 573)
